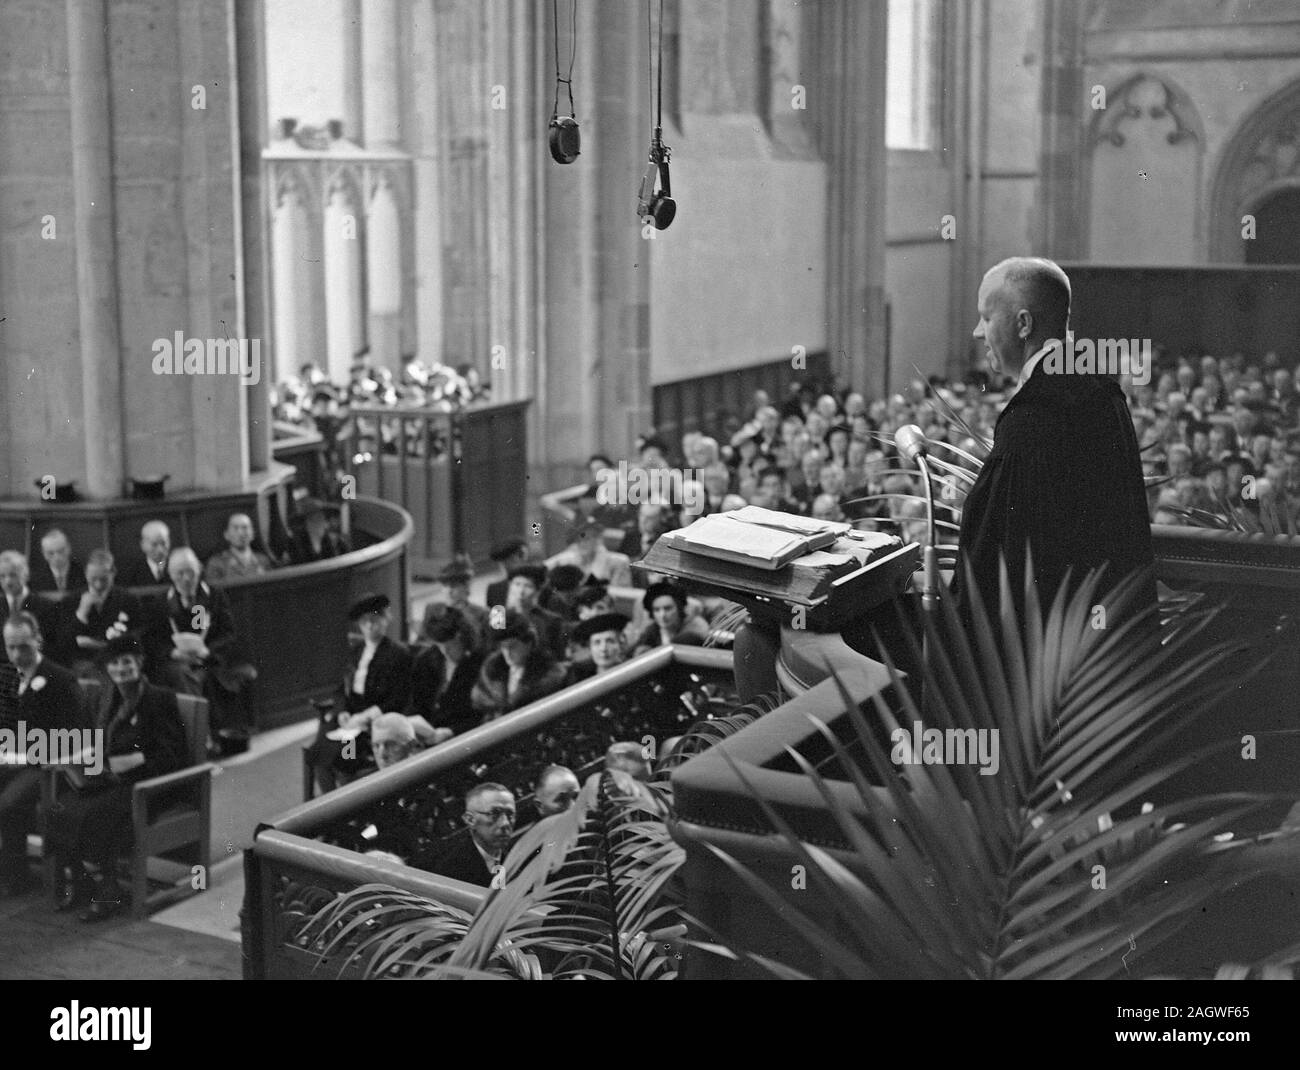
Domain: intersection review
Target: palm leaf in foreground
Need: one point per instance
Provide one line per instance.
(1052, 868)
(587, 889)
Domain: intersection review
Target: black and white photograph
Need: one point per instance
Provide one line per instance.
(655, 490)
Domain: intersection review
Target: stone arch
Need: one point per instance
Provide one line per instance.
(1261, 158)
(1145, 154)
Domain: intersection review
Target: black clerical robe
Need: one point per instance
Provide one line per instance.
(1064, 480)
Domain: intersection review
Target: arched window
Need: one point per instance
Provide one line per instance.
(912, 98)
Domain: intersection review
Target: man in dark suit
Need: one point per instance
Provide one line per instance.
(86, 620)
(17, 597)
(1064, 479)
(49, 699)
(509, 554)
(148, 568)
(476, 858)
(58, 572)
(376, 679)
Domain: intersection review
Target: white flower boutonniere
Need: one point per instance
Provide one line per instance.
(37, 684)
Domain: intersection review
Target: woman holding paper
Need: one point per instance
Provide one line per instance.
(143, 737)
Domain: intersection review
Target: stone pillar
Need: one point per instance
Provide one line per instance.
(353, 108)
(855, 47)
(621, 271)
(380, 74)
(250, 57)
(344, 329)
(210, 213)
(92, 176)
(1061, 148)
(430, 179)
(384, 274)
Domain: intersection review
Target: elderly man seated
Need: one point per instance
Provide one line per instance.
(476, 858)
(555, 791)
(193, 649)
(148, 568)
(238, 558)
(587, 551)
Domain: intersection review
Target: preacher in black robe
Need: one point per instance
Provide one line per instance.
(1064, 479)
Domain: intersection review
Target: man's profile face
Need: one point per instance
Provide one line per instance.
(21, 647)
(57, 552)
(996, 327)
(239, 532)
(13, 578)
(557, 794)
(99, 578)
(606, 650)
(490, 816)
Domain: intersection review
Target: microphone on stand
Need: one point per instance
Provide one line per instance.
(914, 447)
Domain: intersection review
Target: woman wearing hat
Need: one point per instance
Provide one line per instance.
(443, 677)
(455, 580)
(587, 551)
(666, 604)
(142, 738)
(518, 672)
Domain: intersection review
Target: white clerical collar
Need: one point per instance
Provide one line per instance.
(1033, 361)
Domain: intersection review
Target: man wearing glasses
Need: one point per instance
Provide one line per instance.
(490, 815)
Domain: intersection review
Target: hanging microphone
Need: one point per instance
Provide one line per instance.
(563, 135)
(911, 443)
(657, 206)
(566, 141)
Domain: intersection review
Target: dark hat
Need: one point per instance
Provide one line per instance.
(125, 643)
(442, 622)
(645, 442)
(566, 578)
(536, 573)
(506, 547)
(583, 525)
(310, 506)
(371, 603)
(602, 622)
(663, 587)
(591, 593)
(516, 626)
(459, 570)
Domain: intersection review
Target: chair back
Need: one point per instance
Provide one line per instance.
(194, 716)
(193, 711)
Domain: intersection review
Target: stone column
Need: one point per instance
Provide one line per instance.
(855, 47)
(92, 176)
(250, 57)
(384, 273)
(380, 74)
(425, 140)
(1061, 148)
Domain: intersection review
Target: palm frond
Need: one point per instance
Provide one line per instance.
(1039, 870)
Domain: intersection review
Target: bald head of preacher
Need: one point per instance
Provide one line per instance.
(1024, 302)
